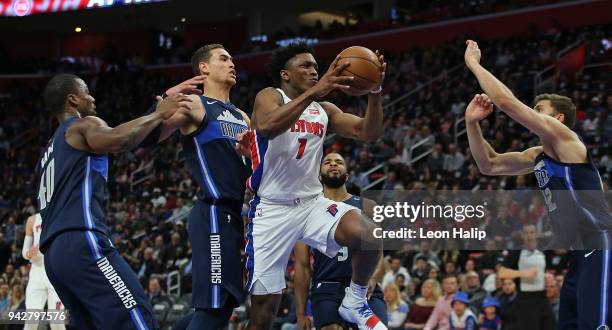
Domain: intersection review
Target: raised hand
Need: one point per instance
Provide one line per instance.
(168, 106)
(332, 79)
(479, 108)
(383, 67)
(243, 145)
(472, 52)
(189, 86)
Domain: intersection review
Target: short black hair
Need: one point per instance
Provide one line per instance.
(561, 104)
(282, 56)
(203, 54)
(58, 89)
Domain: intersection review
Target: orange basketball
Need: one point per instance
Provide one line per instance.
(364, 66)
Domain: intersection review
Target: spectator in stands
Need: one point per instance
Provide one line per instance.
(471, 179)
(180, 208)
(148, 265)
(453, 160)
(424, 305)
(489, 258)
(435, 162)
(430, 256)
(501, 229)
(397, 309)
(433, 273)
(400, 279)
(158, 199)
(507, 308)
(391, 184)
(17, 298)
(9, 229)
(16, 259)
(470, 265)
(159, 250)
(450, 268)
(409, 140)
(9, 273)
(552, 294)
(491, 282)
(420, 269)
(5, 299)
(395, 268)
(176, 249)
(29, 208)
(439, 318)
(462, 317)
(474, 292)
(490, 319)
(154, 290)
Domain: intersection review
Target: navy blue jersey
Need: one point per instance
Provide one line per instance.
(339, 268)
(210, 152)
(576, 204)
(72, 190)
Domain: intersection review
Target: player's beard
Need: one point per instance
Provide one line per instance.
(334, 181)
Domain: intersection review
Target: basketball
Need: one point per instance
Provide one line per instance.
(364, 66)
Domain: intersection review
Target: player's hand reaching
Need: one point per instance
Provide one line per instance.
(383, 68)
(189, 86)
(332, 79)
(243, 146)
(168, 106)
(303, 323)
(472, 53)
(478, 109)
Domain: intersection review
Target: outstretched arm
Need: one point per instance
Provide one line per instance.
(271, 117)
(546, 127)
(490, 162)
(507, 273)
(187, 120)
(368, 128)
(92, 134)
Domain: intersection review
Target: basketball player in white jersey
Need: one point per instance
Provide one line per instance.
(39, 290)
(288, 204)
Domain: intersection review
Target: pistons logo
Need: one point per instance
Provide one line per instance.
(332, 209)
(22, 7)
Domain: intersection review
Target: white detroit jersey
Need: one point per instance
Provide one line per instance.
(39, 290)
(286, 167)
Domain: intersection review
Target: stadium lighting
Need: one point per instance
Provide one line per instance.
(183, 20)
(78, 29)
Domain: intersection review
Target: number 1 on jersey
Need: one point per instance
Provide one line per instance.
(302, 148)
